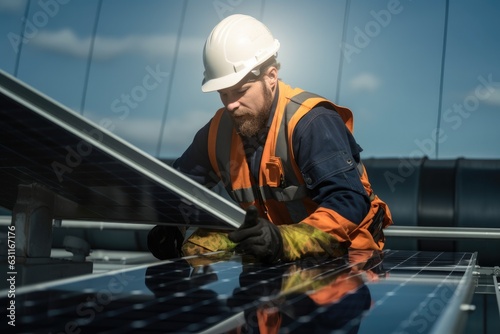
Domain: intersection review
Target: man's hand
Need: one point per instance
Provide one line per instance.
(258, 237)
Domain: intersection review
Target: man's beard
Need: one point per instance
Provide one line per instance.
(250, 126)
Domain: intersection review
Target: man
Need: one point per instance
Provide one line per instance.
(287, 156)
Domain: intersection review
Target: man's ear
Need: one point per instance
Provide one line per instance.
(271, 77)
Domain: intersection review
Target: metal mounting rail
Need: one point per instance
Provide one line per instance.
(497, 292)
(454, 316)
(443, 232)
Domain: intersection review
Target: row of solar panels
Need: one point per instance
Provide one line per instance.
(50, 151)
(94, 174)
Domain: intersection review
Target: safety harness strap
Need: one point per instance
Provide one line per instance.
(282, 145)
(223, 151)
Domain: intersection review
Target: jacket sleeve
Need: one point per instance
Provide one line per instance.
(327, 153)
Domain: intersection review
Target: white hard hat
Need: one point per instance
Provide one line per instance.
(236, 46)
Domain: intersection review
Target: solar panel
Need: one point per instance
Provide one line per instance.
(94, 174)
(362, 292)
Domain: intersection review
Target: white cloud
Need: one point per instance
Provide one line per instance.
(143, 133)
(67, 42)
(63, 41)
(488, 95)
(12, 6)
(494, 98)
(180, 130)
(366, 82)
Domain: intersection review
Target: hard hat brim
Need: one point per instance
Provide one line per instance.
(224, 82)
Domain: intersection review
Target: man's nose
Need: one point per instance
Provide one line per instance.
(233, 105)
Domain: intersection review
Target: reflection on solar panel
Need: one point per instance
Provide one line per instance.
(364, 292)
(93, 174)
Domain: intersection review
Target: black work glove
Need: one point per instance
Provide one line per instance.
(165, 242)
(258, 237)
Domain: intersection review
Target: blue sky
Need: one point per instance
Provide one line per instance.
(144, 73)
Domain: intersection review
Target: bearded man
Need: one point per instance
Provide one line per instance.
(285, 155)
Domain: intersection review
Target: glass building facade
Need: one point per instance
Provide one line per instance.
(422, 77)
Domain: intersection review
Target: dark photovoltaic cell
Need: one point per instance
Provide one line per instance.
(94, 174)
(363, 292)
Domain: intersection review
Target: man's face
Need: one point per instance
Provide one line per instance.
(249, 104)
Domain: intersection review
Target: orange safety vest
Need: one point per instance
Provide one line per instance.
(281, 194)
